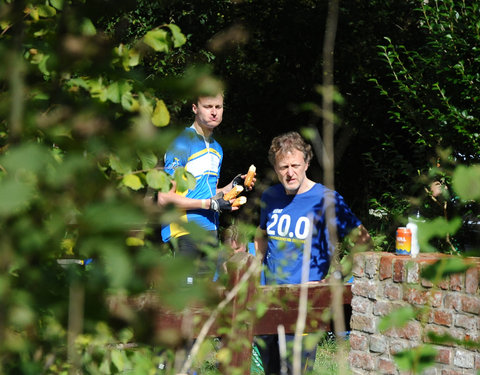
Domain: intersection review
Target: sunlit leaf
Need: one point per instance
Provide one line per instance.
(58, 4)
(261, 309)
(466, 182)
(117, 89)
(158, 180)
(149, 159)
(87, 27)
(160, 115)
(157, 39)
(132, 181)
(397, 318)
(129, 102)
(119, 165)
(184, 180)
(443, 268)
(178, 37)
(134, 241)
(119, 359)
(46, 11)
(438, 227)
(416, 359)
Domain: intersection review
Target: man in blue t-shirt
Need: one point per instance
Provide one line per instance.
(292, 212)
(199, 153)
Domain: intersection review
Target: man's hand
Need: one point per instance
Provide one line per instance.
(217, 203)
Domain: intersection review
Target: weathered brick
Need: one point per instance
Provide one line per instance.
(430, 371)
(435, 298)
(477, 361)
(392, 291)
(451, 301)
(444, 355)
(415, 296)
(426, 283)
(442, 317)
(444, 284)
(358, 341)
(382, 308)
(378, 344)
(386, 367)
(471, 304)
(363, 323)
(397, 346)
(371, 266)
(365, 288)
(464, 359)
(413, 276)
(471, 280)
(398, 270)
(385, 269)
(361, 305)
(358, 268)
(361, 360)
(456, 282)
(465, 321)
(410, 331)
(451, 372)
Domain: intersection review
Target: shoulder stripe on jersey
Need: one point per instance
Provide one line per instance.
(202, 152)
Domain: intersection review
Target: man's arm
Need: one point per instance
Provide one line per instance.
(185, 203)
(261, 242)
(361, 237)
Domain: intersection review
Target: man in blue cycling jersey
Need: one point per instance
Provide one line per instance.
(292, 212)
(199, 153)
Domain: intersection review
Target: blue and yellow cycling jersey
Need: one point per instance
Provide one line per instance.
(203, 159)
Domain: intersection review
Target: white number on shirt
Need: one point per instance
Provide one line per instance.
(302, 227)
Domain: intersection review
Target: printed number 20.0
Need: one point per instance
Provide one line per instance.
(280, 226)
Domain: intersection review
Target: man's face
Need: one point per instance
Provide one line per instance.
(208, 111)
(291, 171)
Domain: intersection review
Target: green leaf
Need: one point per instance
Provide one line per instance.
(119, 166)
(157, 39)
(160, 115)
(397, 318)
(57, 4)
(438, 227)
(444, 268)
(116, 90)
(88, 28)
(134, 241)
(178, 37)
(184, 180)
(132, 181)
(158, 180)
(416, 359)
(118, 359)
(149, 159)
(112, 216)
(28, 157)
(129, 102)
(466, 182)
(46, 11)
(19, 196)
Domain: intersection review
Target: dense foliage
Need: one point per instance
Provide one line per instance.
(93, 91)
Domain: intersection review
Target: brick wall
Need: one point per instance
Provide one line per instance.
(384, 282)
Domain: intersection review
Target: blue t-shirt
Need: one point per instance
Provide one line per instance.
(286, 221)
(203, 159)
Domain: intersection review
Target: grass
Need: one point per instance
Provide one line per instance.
(325, 361)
